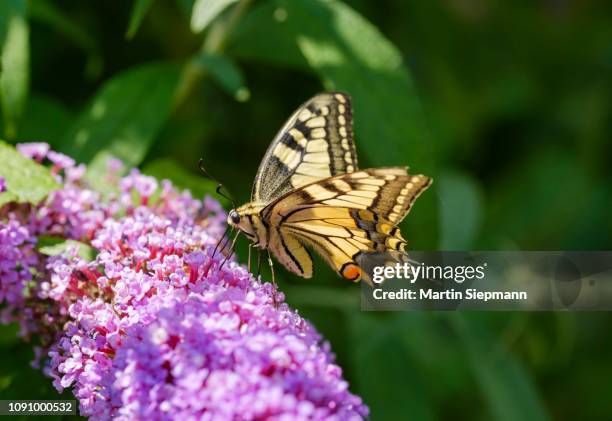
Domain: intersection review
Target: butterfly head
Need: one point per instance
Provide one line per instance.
(246, 219)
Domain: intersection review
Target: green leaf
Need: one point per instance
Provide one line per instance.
(47, 120)
(205, 11)
(460, 210)
(224, 71)
(26, 181)
(124, 116)
(140, 9)
(14, 63)
(199, 186)
(349, 54)
(53, 246)
(251, 42)
(503, 381)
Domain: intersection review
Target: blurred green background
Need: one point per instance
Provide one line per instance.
(507, 105)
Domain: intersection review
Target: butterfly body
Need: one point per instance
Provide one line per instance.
(309, 194)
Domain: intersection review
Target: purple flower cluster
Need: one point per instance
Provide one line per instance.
(153, 326)
(16, 258)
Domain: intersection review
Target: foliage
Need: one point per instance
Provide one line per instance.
(505, 105)
(26, 182)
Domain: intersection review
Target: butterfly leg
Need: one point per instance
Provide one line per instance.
(249, 258)
(258, 262)
(271, 264)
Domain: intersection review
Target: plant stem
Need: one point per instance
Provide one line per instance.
(214, 43)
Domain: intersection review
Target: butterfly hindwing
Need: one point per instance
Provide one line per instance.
(343, 217)
(315, 143)
(291, 253)
(393, 190)
(341, 240)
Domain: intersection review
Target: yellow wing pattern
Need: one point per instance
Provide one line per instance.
(315, 143)
(341, 217)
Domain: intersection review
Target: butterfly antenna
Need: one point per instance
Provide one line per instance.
(219, 185)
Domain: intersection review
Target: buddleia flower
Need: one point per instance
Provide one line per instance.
(154, 326)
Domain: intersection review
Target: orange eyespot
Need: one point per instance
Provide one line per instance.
(351, 271)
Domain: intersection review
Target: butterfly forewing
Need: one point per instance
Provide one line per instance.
(315, 143)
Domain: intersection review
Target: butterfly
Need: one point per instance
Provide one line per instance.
(309, 194)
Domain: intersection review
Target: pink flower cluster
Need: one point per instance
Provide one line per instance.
(153, 327)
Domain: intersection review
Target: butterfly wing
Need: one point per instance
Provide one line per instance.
(342, 218)
(315, 143)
